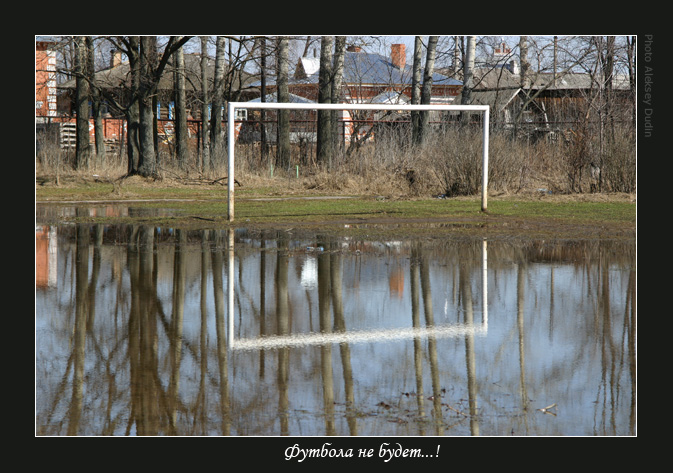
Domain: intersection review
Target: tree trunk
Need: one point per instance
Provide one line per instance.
(525, 65)
(147, 166)
(181, 133)
(426, 92)
(416, 90)
(262, 112)
(324, 151)
(339, 56)
(607, 66)
(631, 62)
(133, 137)
(95, 104)
(133, 110)
(468, 72)
(82, 146)
(283, 156)
(457, 44)
(146, 68)
(216, 135)
(205, 135)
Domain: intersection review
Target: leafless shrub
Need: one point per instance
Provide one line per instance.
(618, 165)
(599, 162)
(449, 162)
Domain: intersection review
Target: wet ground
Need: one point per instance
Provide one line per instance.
(146, 330)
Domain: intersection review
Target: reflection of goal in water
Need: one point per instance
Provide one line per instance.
(308, 339)
(233, 106)
(383, 335)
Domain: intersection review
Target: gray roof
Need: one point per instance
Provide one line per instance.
(271, 98)
(370, 68)
(498, 99)
(487, 79)
(120, 75)
(575, 81)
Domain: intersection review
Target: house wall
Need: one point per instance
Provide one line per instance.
(45, 80)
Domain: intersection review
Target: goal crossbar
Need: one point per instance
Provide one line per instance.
(233, 106)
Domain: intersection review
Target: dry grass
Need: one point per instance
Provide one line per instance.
(448, 163)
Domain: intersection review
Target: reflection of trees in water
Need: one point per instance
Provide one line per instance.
(134, 367)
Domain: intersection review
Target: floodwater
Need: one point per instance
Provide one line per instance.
(159, 331)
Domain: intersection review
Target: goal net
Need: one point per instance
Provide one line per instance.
(234, 106)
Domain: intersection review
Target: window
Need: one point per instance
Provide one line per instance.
(241, 114)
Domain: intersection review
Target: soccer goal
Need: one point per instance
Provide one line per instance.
(233, 106)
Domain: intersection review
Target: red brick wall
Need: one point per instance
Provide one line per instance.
(45, 67)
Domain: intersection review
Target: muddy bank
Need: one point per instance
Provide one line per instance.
(269, 204)
(494, 224)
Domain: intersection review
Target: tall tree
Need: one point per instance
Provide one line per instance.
(606, 53)
(148, 81)
(129, 45)
(468, 70)
(99, 135)
(148, 70)
(416, 89)
(323, 146)
(216, 135)
(262, 112)
(180, 108)
(82, 147)
(205, 135)
(337, 79)
(528, 94)
(525, 64)
(631, 64)
(468, 73)
(132, 111)
(283, 93)
(426, 92)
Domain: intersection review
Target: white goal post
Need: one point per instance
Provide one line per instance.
(233, 106)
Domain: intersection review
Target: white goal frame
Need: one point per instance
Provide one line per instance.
(233, 106)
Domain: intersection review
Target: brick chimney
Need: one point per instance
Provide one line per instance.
(398, 55)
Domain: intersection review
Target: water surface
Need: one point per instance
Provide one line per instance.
(159, 331)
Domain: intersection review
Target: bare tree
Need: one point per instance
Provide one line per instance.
(147, 165)
(262, 114)
(337, 80)
(631, 68)
(416, 89)
(132, 111)
(146, 71)
(180, 108)
(205, 135)
(426, 92)
(525, 64)
(99, 135)
(82, 150)
(283, 157)
(216, 135)
(128, 101)
(323, 146)
(468, 70)
(529, 94)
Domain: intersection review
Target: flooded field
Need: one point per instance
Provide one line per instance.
(159, 331)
